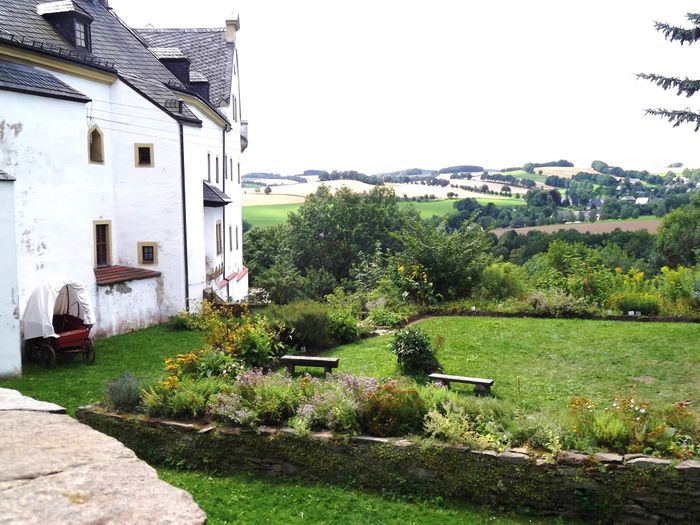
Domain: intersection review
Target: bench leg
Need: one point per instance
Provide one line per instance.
(290, 369)
(482, 390)
(442, 382)
(327, 370)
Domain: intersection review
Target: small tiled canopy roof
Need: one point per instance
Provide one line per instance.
(214, 197)
(25, 79)
(119, 274)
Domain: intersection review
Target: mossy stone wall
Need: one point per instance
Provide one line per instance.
(604, 488)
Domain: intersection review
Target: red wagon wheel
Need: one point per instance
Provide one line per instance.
(47, 356)
(89, 351)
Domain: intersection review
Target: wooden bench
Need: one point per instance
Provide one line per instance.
(292, 361)
(482, 386)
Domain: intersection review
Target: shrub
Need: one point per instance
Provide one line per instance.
(255, 398)
(645, 303)
(306, 324)
(343, 326)
(124, 393)
(454, 425)
(252, 342)
(186, 321)
(383, 315)
(556, 302)
(392, 410)
(186, 398)
(332, 403)
(502, 280)
(414, 353)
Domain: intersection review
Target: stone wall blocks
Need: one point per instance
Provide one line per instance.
(689, 468)
(514, 458)
(662, 492)
(648, 462)
(568, 457)
(606, 457)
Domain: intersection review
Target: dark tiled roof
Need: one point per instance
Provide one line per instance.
(214, 197)
(208, 52)
(119, 274)
(112, 41)
(16, 77)
(6, 177)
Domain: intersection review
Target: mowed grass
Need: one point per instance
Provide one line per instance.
(73, 384)
(539, 364)
(271, 214)
(253, 499)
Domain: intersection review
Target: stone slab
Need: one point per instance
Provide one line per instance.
(57, 470)
(13, 400)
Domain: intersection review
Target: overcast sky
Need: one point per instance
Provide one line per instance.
(384, 85)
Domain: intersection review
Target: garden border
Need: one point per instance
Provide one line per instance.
(598, 487)
(458, 312)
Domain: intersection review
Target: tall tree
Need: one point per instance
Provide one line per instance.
(685, 86)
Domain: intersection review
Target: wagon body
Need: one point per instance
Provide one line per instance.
(57, 323)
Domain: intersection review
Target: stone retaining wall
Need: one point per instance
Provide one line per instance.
(606, 488)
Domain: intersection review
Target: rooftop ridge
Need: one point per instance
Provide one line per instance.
(181, 29)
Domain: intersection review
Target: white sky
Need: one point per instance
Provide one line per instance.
(385, 85)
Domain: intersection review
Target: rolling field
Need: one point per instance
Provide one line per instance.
(651, 225)
(271, 214)
(296, 193)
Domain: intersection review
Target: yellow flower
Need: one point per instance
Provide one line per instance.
(170, 382)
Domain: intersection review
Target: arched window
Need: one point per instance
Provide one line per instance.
(96, 145)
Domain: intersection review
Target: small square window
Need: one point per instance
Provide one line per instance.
(143, 155)
(147, 252)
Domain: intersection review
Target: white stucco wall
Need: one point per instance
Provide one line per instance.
(10, 354)
(130, 306)
(59, 193)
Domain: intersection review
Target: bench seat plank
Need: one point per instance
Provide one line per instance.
(292, 361)
(462, 379)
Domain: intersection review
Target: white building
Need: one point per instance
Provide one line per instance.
(119, 164)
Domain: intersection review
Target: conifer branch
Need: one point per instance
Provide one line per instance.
(682, 34)
(685, 86)
(676, 117)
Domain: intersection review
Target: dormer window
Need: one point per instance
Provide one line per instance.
(70, 20)
(81, 35)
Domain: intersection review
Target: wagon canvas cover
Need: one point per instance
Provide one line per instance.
(55, 296)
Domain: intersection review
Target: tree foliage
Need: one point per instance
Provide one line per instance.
(683, 86)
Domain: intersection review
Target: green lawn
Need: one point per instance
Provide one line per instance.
(268, 215)
(246, 498)
(640, 218)
(271, 214)
(71, 385)
(540, 363)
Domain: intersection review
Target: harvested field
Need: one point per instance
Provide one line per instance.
(296, 193)
(651, 225)
(566, 173)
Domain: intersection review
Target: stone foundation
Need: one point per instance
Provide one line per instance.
(606, 488)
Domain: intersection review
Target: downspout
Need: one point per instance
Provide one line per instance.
(223, 211)
(184, 216)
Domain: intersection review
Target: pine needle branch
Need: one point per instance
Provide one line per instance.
(676, 117)
(684, 86)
